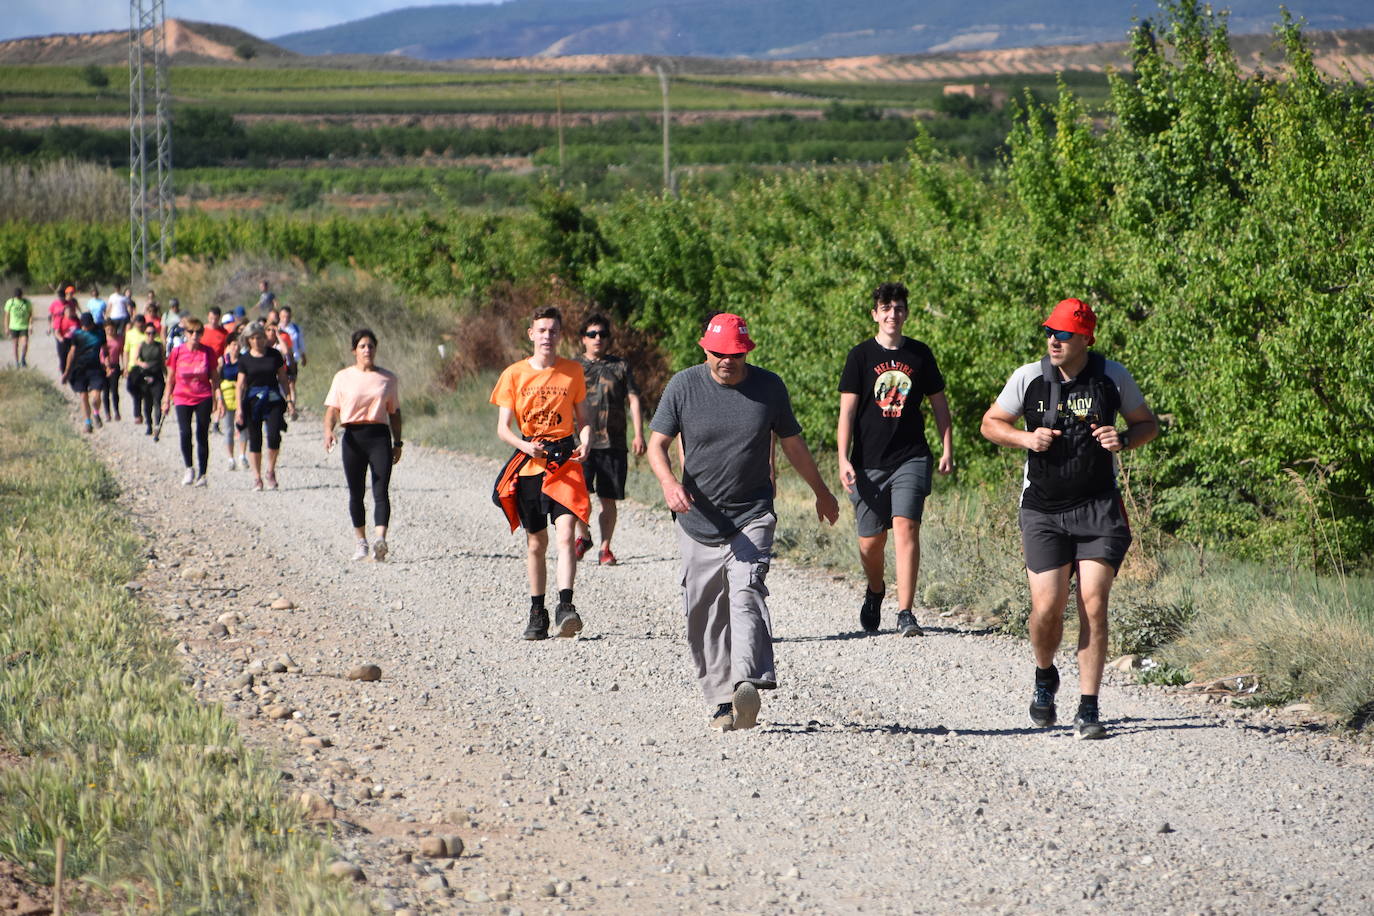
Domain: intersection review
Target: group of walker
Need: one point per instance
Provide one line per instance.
(565, 421)
(726, 415)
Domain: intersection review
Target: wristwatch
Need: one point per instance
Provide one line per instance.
(1125, 437)
(397, 444)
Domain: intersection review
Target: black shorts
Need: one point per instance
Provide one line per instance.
(606, 469)
(16, 333)
(1096, 530)
(92, 379)
(292, 371)
(535, 509)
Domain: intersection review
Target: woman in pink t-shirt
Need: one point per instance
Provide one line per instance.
(193, 387)
(364, 400)
(113, 350)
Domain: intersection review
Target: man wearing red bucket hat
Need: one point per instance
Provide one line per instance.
(727, 412)
(1072, 519)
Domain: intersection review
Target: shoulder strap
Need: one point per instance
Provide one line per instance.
(1051, 377)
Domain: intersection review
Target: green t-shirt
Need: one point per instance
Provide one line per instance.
(20, 311)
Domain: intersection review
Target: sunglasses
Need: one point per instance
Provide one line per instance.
(595, 334)
(725, 355)
(1061, 336)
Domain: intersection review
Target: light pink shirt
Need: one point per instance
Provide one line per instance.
(363, 397)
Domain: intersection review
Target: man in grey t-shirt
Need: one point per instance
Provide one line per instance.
(727, 413)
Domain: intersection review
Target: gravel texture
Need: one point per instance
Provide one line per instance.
(887, 774)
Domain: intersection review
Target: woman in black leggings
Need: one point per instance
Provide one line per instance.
(262, 379)
(365, 400)
(193, 386)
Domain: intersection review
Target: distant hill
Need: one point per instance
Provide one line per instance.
(1335, 53)
(768, 29)
(187, 42)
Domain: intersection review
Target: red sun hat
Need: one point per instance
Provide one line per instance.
(1073, 315)
(726, 333)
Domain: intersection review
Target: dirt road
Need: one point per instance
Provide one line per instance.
(889, 775)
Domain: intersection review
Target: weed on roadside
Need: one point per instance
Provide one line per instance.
(156, 797)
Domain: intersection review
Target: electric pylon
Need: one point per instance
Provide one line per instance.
(152, 206)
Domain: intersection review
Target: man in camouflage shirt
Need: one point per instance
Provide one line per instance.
(609, 385)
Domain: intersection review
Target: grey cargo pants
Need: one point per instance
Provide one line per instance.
(728, 629)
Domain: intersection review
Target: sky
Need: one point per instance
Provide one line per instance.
(263, 18)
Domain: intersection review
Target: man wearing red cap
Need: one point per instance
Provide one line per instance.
(727, 412)
(1072, 519)
(885, 462)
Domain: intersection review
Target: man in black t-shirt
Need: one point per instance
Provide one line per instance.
(885, 462)
(1072, 519)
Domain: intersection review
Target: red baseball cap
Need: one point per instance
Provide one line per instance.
(726, 333)
(1073, 315)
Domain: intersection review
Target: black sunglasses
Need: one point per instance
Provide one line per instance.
(596, 334)
(1061, 336)
(725, 355)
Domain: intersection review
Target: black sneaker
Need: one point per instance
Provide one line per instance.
(871, 614)
(1087, 725)
(724, 717)
(907, 625)
(539, 624)
(1042, 711)
(565, 616)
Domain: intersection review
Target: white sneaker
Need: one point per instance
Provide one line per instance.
(188, 478)
(233, 464)
(379, 549)
(199, 481)
(361, 552)
(243, 462)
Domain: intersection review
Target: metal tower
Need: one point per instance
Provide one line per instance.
(152, 206)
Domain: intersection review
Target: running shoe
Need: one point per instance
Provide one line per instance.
(871, 614)
(1042, 711)
(567, 620)
(581, 546)
(746, 706)
(117, 417)
(233, 464)
(271, 480)
(1087, 725)
(379, 549)
(243, 462)
(199, 481)
(188, 478)
(98, 422)
(907, 625)
(359, 552)
(607, 558)
(539, 624)
(257, 487)
(89, 429)
(724, 717)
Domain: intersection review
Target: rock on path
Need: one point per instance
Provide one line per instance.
(888, 775)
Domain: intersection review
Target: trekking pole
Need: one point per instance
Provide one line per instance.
(61, 850)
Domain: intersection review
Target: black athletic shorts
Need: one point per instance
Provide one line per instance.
(16, 333)
(1096, 530)
(606, 469)
(535, 509)
(92, 379)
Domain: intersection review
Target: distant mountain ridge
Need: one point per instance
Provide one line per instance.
(767, 29)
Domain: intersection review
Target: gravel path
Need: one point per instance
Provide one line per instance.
(888, 774)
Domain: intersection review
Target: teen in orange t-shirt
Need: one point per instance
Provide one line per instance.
(545, 397)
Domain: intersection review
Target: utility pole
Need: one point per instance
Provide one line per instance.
(152, 203)
(667, 169)
(558, 86)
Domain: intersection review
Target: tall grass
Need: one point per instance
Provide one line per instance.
(62, 190)
(157, 798)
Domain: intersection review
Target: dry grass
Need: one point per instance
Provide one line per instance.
(158, 801)
(63, 190)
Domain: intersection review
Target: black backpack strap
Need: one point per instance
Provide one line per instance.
(1051, 377)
